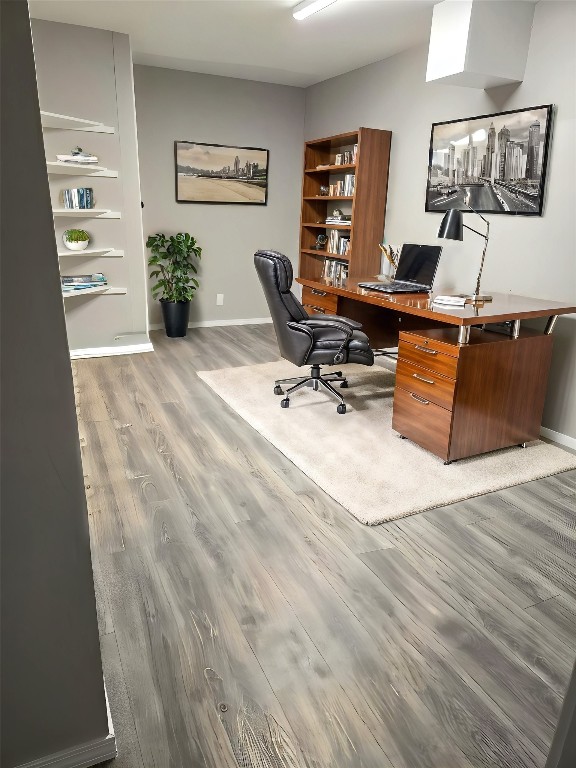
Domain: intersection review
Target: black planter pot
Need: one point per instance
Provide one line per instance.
(175, 315)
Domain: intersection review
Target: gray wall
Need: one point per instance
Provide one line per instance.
(52, 688)
(87, 73)
(527, 256)
(173, 105)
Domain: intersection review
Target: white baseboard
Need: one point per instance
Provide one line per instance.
(127, 349)
(218, 323)
(83, 756)
(558, 437)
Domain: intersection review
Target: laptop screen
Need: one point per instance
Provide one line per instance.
(418, 264)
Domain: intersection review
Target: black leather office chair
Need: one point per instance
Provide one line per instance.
(304, 340)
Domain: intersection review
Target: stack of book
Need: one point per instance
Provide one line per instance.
(72, 283)
(339, 219)
(83, 197)
(347, 157)
(338, 244)
(343, 187)
(77, 155)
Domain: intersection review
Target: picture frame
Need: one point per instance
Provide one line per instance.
(220, 174)
(497, 163)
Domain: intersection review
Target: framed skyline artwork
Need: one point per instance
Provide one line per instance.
(494, 163)
(215, 173)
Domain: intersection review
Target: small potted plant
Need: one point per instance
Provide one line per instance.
(174, 264)
(76, 239)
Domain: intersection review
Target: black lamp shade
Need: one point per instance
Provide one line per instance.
(451, 227)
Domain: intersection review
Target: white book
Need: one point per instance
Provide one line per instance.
(451, 301)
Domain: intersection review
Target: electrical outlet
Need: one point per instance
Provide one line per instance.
(219, 299)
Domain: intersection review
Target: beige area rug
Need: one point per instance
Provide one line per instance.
(357, 458)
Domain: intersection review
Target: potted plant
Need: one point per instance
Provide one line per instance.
(174, 264)
(76, 239)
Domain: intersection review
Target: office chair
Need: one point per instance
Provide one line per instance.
(304, 340)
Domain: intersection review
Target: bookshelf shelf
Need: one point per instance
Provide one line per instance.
(94, 253)
(86, 213)
(322, 225)
(79, 169)
(67, 122)
(325, 254)
(104, 290)
(331, 168)
(365, 209)
(329, 197)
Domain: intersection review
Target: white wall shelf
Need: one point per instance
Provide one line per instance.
(104, 290)
(66, 122)
(79, 169)
(94, 253)
(86, 213)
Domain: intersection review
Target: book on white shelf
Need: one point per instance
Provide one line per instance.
(77, 159)
(451, 301)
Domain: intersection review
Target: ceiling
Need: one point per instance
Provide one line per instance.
(254, 39)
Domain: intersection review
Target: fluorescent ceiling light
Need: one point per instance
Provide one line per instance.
(308, 7)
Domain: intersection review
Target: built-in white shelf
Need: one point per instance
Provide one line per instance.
(104, 290)
(86, 213)
(79, 169)
(94, 253)
(66, 122)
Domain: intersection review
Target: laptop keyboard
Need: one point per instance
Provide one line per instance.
(395, 284)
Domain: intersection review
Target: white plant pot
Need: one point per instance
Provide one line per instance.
(79, 246)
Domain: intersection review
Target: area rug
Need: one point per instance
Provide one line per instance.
(357, 458)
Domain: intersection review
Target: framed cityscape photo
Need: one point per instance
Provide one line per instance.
(214, 173)
(493, 163)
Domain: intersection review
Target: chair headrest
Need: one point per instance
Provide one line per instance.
(283, 272)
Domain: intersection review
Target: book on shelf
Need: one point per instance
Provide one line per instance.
(338, 244)
(82, 197)
(82, 159)
(346, 157)
(347, 220)
(335, 270)
(343, 187)
(73, 282)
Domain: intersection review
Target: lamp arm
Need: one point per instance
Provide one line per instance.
(486, 236)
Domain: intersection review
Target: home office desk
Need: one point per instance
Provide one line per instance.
(461, 390)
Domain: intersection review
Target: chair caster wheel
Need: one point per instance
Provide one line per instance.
(278, 390)
(337, 373)
(284, 403)
(522, 445)
(341, 408)
(343, 385)
(447, 463)
(402, 437)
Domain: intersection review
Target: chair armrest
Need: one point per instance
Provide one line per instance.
(319, 320)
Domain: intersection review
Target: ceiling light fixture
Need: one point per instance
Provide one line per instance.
(308, 7)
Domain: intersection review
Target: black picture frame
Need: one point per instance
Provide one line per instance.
(508, 178)
(206, 183)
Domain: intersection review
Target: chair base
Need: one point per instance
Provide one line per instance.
(315, 380)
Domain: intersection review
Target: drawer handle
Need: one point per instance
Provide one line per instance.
(320, 310)
(422, 378)
(420, 399)
(425, 349)
(316, 292)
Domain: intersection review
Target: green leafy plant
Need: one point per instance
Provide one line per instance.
(174, 261)
(76, 235)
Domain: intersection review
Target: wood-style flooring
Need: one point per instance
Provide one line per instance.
(248, 621)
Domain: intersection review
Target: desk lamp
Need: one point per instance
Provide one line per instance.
(451, 228)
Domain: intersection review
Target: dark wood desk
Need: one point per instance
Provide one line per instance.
(460, 390)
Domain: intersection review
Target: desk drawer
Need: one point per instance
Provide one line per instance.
(422, 421)
(428, 384)
(316, 297)
(426, 357)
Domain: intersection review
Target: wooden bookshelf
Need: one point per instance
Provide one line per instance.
(366, 206)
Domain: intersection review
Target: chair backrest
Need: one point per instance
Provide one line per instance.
(275, 273)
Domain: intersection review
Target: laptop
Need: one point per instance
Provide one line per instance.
(416, 270)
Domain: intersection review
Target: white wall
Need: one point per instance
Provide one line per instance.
(533, 256)
(173, 105)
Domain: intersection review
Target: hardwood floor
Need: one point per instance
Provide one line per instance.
(248, 621)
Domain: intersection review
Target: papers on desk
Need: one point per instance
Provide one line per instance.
(450, 301)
